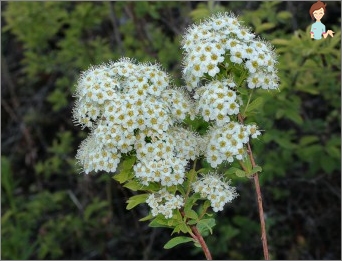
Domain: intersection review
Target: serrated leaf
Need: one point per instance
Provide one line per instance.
(176, 241)
(136, 200)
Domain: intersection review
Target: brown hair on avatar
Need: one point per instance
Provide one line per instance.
(316, 6)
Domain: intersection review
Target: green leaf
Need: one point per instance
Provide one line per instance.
(284, 15)
(333, 151)
(192, 199)
(159, 221)
(184, 228)
(294, 116)
(328, 164)
(285, 143)
(192, 222)
(128, 163)
(264, 27)
(148, 217)
(281, 42)
(58, 99)
(247, 163)
(134, 185)
(191, 174)
(200, 12)
(231, 170)
(240, 173)
(189, 213)
(205, 225)
(196, 244)
(306, 140)
(94, 208)
(254, 105)
(176, 241)
(122, 176)
(125, 170)
(255, 170)
(136, 200)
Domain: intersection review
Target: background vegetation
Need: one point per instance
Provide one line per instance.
(51, 211)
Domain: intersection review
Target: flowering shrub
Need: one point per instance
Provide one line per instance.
(137, 120)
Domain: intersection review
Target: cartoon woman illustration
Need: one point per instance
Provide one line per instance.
(317, 10)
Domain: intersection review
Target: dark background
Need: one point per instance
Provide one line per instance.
(52, 211)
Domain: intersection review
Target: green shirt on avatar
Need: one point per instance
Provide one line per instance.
(317, 29)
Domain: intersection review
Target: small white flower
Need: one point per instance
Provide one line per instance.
(218, 192)
(164, 203)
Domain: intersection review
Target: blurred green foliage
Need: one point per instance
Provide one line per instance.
(49, 211)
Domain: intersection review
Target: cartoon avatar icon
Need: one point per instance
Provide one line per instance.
(317, 11)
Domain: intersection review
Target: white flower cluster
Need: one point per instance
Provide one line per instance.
(218, 192)
(187, 143)
(164, 157)
(217, 100)
(163, 202)
(209, 44)
(227, 142)
(131, 106)
(158, 161)
(118, 100)
(119, 89)
(179, 103)
(91, 156)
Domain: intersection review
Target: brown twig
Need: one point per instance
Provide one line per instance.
(196, 235)
(259, 199)
(202, 242)
(261, 216)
